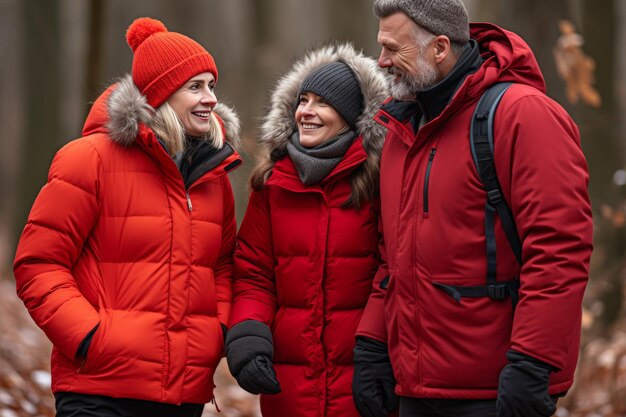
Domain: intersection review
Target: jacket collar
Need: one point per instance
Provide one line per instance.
(433, 100)
(285, 175)
(200, 157)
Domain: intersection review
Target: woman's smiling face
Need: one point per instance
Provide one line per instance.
(317, 120)
(194, 102)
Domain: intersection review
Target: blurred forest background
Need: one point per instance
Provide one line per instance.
(56, 56)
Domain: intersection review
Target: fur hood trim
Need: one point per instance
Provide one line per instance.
(128, 109)
(279, 124)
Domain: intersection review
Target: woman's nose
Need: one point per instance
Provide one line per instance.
(308, 109)
(208, 97)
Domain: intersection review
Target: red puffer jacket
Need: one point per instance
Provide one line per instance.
(433, 215)
(115, 239)
(304, 263)
(304, 266)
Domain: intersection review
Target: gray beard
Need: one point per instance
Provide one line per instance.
(406, 87)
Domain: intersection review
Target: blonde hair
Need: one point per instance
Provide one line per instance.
(168, 127)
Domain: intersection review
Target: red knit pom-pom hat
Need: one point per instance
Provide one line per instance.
(163, 61)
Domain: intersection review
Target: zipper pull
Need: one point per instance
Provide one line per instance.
(189, 205)
(214, 402)
(82, 365)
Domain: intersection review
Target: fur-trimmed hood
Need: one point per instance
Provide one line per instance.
(279, 123)
(121, 109)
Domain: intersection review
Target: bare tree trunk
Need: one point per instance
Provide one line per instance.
(11, 114)
(536, 21)
(354, 21)
(603, 143)
(93, 65)
(41, 88)
(482, 10)
(620, 78)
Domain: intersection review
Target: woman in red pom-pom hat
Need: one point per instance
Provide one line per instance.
(126, 260)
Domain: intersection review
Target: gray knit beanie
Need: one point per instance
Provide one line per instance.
(440, 17)
(337, 85)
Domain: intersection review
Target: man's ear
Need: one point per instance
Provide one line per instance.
(442, 48)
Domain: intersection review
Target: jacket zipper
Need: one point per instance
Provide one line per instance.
(189, 205)
(82, 365)
(427, 179)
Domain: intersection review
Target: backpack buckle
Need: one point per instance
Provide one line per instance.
(484, 115)
(494, 196)
(497, 291)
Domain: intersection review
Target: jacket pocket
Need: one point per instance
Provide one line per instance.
(89, 355)
(83, 347)
(431, 158)
(464, 343)
(124, 336)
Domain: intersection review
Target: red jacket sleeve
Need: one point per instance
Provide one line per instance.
(60, 221)
(372, 322)
(224, 265)
(254, 284)
(548, 197)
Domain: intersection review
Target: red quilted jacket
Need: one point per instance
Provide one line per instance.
(114, 239)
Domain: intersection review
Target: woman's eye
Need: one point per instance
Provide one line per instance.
(302, 100)
(194, 86)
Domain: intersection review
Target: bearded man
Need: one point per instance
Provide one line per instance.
(450, 341)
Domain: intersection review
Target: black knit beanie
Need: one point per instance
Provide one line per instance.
(337, 85)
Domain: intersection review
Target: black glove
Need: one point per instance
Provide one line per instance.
(249, 353)
(373, 383)
(523, 388)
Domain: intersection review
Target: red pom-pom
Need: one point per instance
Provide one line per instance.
(141, 29)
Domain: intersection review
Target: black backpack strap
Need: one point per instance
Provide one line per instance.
(481, 143)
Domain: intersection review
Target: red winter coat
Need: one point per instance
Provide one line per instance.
(304, 264)
(443, 349)
(112, 240)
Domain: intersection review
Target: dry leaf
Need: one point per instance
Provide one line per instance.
(574, 67)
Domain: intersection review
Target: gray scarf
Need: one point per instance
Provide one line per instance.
(314, 164)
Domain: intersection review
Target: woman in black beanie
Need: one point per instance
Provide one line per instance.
(307, 249)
